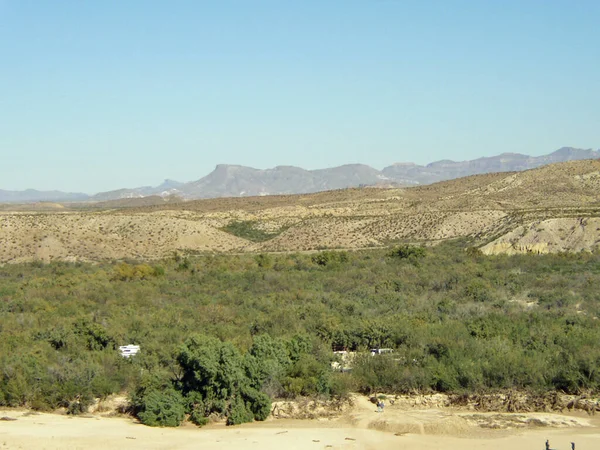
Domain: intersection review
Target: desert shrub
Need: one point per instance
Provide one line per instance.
(567, 380)
(298, 346)
(159, 271)
(184, 264)
(128, 272)
(341, 385)
(16, 390)
(196, 408)
(238, 412)
(322, 258)
(264, 261)
(378, 373)
(473, 252)
(558, 298)
(326, 258)
(478, 290)
(80, 405)
(407, 251)
(229, 382)
(211, 367)
(96, 335)
(444, 378)
(162, 408)
(258, 402)
(246, 229)
(58, 338)
(150, 381)
(266, 362)
(198, 417)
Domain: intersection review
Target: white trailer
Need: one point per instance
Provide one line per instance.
(128, 350)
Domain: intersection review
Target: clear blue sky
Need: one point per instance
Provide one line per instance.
(98, 95)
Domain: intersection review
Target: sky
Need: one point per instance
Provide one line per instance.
(100, 95)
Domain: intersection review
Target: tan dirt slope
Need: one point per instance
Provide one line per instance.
(549, 236)
(553, 208)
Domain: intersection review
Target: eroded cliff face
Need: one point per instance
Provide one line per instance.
(549, 236)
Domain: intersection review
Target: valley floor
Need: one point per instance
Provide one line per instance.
(360, 428)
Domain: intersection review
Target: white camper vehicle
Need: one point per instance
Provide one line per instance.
(128, 350)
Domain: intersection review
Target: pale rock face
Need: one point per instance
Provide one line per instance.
(513, 249)
(549, 236)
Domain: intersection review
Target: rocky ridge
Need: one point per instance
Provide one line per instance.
(239, 181)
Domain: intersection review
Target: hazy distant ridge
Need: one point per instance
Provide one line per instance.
(234, 181)
(505, 162)
(31, 195)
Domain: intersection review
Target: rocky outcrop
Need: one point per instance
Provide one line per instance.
(549, 236)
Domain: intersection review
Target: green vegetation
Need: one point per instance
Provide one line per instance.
(164, 408)
(407, 251)
(246, 229)
(223, 335)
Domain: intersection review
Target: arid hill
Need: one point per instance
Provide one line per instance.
(509, 212)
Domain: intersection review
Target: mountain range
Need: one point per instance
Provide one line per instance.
(238, 181)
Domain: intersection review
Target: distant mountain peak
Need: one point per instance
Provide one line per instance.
(404, 164)
(232, 180)
(220, 167)
(170, 184)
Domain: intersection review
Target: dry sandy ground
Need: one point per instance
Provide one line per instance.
(362, 428)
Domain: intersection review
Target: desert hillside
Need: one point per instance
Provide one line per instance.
(549, 209)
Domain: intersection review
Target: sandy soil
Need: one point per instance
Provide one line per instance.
(360, 428)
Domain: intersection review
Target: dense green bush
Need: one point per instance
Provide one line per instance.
(264, 261)
(407, 251)
(216, 377)
(198, 417)
(162, 408)
(238, 412)
(325, 258)
(259, 403)
(247, 229)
